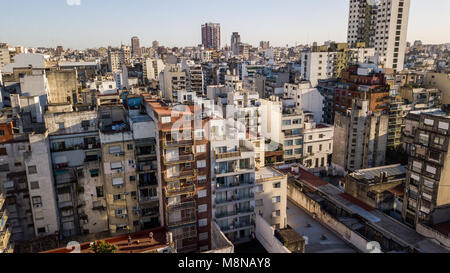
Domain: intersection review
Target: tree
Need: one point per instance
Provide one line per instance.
(102, 247)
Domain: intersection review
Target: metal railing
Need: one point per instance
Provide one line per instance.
(179, 159)
(180, 191)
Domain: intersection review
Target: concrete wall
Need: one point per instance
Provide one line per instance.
(266, 236)
(312, 207)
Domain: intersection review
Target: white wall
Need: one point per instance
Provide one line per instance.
(266, 236)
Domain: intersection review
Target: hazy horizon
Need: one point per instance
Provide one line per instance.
(101, 23)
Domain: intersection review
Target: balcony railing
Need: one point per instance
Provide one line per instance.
(178, 160)
(178, 143)
(187, 174)
(235, 198)
(5, 235)
(234, 213)
(245, 182)
(181, 206)
(180, 191)
(3, 219)
(232, 227)
(146, 199)
(220, 156)
(184, 221)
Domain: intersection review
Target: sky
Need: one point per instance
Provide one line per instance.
(83, 24)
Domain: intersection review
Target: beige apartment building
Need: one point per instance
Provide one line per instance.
(271, 196)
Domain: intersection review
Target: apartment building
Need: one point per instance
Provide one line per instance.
(382, 25)
(284, 125)
(426, 136)
(14, 183)
(271, 197)
(5, 57)
(116, 59)
(360, 138)
(185, 173)
(152, 68)
(320, 63)
(41, 185)
(317, 144)
(149, 191)
(196, 81)
(421, 98)
(118, 169)
(172, 79)
(306, 99)
(76, 154)
(5, 230)
(233, 182)
(211, 36)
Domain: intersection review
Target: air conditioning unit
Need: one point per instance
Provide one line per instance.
(123, 216)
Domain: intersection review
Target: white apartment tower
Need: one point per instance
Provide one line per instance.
(383, 25)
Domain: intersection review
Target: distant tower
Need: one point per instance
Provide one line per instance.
(383, 25)
(211, 36)
(235, 41)
(135, 47)
(59, 51)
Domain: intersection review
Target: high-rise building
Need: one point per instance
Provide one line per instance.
(264, 44)
(172, 79)
(152, 68)
(383, 25)
(427, 189)
(235, 41)
(184, 173)
(135, 47)
(211, 36)
(5, 57)
(59, 51)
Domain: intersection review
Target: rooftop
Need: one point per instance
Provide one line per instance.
(371, 174)
(145, 245)
(267, 173)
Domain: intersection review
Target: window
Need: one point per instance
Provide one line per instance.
(2, 132)
(61, 125)
(130, 147)
(199, 134)
(3, 151)
(202, 194)
(202, 208)
(287, 122)
(41, 230)
(276, 199)
(203, 222)
(115, 149)
(443, 125)
(203, 236)
(259, 188)
(32, 170)
(277, 185)
(428, 122)
(201, 179)
(117, 181)
(85, 123)
(298, 151)
(288, 143)
(37, 201)
(436, 156)
(116, 165)
(4, 167)
(100, 191)
(165, 120)
(201, 149)
(34, 185)
(201, 164)
(259, 202)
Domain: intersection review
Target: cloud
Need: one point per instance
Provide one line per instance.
(73, 2)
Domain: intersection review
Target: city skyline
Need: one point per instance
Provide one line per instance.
(179, 23)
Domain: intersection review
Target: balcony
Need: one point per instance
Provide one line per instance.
(2, 199)
(180, 191)
(183, 221)
(227, 155)
(177, 143)
(178, 160)
(234, 170)
(143, 168)
(185, 174)
(236, 199)
(235, 213)
(3, 219)
(238, 226)
(5, 235)
(236, 184)
(181, 206)
(148, 199)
